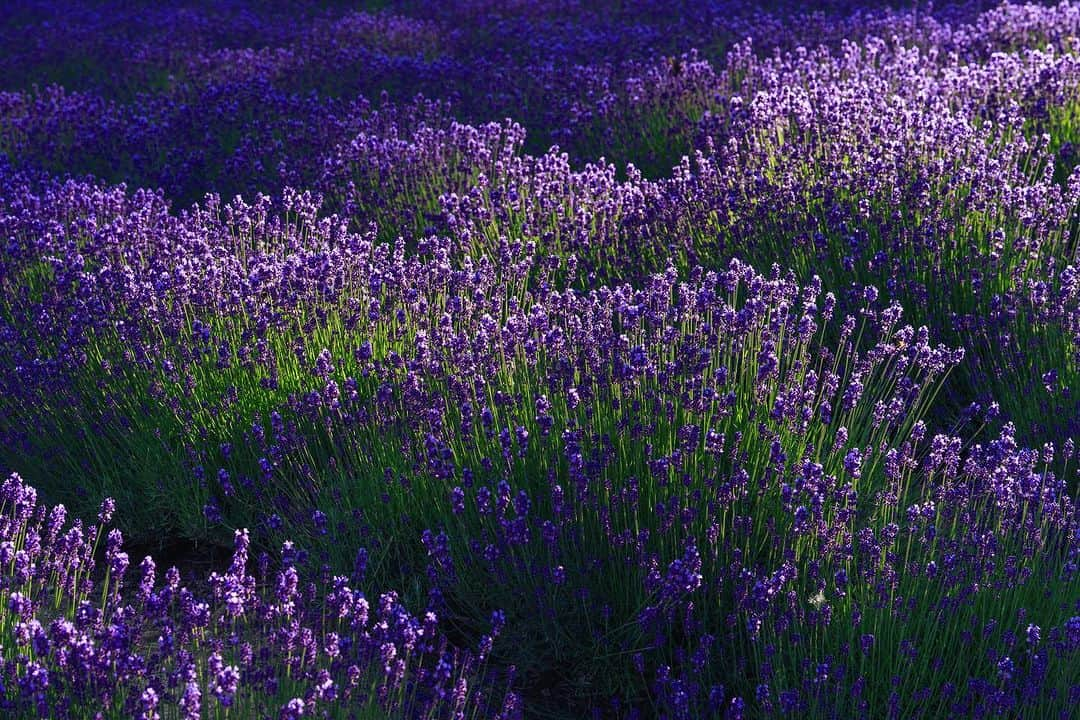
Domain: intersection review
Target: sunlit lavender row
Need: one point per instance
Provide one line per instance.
(540, 360)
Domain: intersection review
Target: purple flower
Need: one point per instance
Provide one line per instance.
(457, 501)
(191, 701)
(108, 509)
(1006, 668)
(148, 703)
(20, 605)
(292, 710)
(853, 463)
(224, 682)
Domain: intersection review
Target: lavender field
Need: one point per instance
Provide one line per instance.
(500, 360)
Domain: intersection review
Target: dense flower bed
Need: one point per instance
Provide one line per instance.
(500, 360)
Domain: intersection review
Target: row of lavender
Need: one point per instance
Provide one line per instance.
(916, 163)
(539, 399)
(688, 477)
(220, 97)
(265, 645)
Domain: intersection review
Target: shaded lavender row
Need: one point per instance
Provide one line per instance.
(194, 128)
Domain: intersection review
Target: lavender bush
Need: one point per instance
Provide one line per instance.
(512, 360)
